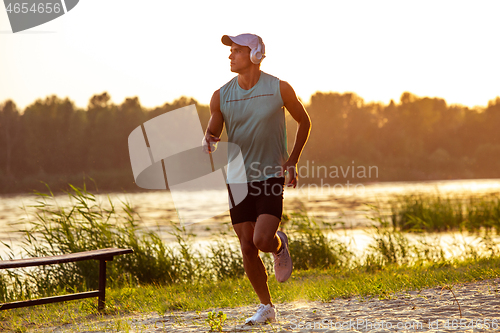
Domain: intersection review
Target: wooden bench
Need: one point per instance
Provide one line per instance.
(101, 255)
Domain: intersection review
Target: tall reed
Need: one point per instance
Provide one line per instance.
(310, 247)
(89, 224)
(436, 213)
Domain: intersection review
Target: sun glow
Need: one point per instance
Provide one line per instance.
(160, 51)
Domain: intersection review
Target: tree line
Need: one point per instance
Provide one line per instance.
(416, 138)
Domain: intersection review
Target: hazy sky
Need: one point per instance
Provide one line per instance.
(161, 50)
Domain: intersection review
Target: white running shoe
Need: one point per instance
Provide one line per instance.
(283, 265)
(264, 314)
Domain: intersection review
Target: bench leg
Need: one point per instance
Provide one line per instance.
(102, 285)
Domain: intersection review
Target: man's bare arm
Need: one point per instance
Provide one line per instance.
(299, 113)
(215, 123)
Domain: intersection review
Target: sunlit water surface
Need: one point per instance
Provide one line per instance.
(348, 206)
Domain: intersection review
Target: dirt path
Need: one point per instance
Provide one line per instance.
(430, 310)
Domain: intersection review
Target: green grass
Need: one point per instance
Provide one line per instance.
(88, 224)
(436, 213)
(163, 278)
(309, 285)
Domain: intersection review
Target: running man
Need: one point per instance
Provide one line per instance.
(251, 107)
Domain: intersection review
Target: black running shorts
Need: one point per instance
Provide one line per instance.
(264, 197)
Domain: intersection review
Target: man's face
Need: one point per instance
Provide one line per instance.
(240, 58)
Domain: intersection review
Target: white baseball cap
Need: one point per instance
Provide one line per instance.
(250, 40)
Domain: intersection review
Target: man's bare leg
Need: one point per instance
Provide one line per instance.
(255, 236)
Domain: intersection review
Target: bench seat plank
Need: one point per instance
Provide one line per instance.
(88, 255)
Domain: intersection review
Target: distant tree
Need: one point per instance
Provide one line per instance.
(48, 139)
(487, 152)
(10, 126)
(203, 110)
(413, 138)
(328, 114)
(492, 115)
(129, 115)
(100, 132)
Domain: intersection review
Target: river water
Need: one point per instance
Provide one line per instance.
(346, 204)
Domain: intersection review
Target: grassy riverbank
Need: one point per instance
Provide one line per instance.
(309, 285)
(162, 278)
(432, 213)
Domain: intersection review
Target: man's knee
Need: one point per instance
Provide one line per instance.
(264, 242)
